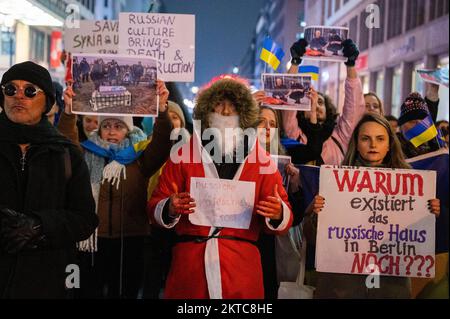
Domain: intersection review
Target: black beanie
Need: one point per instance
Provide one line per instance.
(33, 73)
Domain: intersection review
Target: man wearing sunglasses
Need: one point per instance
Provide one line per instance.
(46, 203)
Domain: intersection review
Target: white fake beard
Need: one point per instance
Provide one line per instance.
(221, 123)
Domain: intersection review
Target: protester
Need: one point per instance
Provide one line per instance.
(162, 239)
(393, 121)
(413, 110)
(219, 262)
(443, 127)
(373, 144)
(46, 204)
(120, 164)
(373, 103)
(335, 133)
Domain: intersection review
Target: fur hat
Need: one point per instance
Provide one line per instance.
(235, 91)
(414, 108)
(127, 120)
(33, 73)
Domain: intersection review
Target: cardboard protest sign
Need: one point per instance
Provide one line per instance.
(222, 203)
(436, 76)
(376, 220)
(169, 38)
(325, 43)
(93, 36)
(114, 85)
(286, 91)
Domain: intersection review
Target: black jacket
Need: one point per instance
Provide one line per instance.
(62, 199)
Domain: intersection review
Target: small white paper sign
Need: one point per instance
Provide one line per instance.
(222, 203)
(93, 36)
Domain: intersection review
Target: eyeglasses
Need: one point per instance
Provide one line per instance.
(29, 90)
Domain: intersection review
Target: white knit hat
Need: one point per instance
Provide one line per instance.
(127, 120)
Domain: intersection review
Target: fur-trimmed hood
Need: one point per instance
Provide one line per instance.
(234, 91)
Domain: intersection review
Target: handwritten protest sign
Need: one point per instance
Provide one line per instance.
(93, 36)
(376, 217)
(170, 38)
(222, 203)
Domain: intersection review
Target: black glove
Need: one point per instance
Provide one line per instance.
(298, 49)
(19, 231)
(350, 51)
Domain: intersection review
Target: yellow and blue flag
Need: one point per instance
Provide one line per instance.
(271, 53)
(311, 70)
(422, 132)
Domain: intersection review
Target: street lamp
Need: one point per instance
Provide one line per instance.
(9, 24)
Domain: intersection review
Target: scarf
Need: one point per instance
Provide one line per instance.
(326, 128)
(360, 162)
(118, 156)
(40, 133)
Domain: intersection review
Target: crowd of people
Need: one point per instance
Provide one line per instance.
(100, 193)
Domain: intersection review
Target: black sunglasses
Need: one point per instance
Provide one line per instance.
(30, 91)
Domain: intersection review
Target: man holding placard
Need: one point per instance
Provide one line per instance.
(219, 191)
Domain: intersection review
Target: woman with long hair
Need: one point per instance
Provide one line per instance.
(373, 144)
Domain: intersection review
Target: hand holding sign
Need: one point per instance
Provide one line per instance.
(68, 96)
(316, 205)
(259, 96)
(314, 97)
(163, 93)
(180, 203)
(271, 208)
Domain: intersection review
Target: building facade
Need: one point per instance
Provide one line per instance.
(395, 38)
(32, 30)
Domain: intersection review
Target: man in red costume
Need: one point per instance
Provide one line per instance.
(211, 260)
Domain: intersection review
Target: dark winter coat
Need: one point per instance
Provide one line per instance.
(61, 197)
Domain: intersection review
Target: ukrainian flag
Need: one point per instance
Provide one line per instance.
(311, 70)
(271, 53)
(422, 132)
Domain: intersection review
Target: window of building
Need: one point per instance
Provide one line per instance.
(329, 8)
(417, 84)
(415, 15)
(353, 29)
(363, 31)
(345, 2)
(438, 8)
(396, 92)
(37, 45)
(337, 5)
(443, 111)
(106, 4)
(365, 83)
(378, 33)
(379, 89)
(395, 18)
(8, 44)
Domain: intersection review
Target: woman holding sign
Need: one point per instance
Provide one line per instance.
(373, 144)
(121, 160)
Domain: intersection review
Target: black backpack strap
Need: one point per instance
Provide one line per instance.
(338, 144)
(67, 164)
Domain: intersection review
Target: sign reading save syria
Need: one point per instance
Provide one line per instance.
(169, 38)
(376, 221)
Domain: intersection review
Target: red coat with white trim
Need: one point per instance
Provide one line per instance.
(240, 262)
